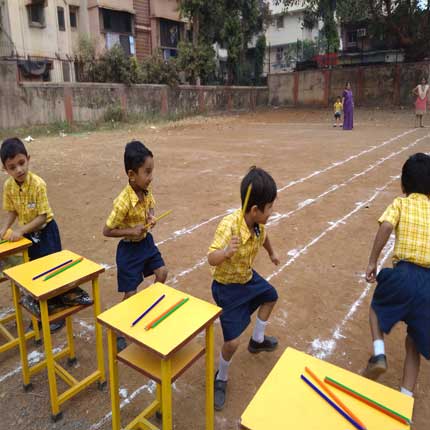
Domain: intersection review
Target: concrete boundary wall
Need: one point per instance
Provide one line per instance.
(385, 85)
(26, 104)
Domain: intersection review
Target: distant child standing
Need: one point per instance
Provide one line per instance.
(25, 198)
(236, 287)
(403, 292)
(137, 255)
(422, 93)
(337, 111)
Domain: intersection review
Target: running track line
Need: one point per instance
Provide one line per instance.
(308, 202)
(324, 348)
(188, 230)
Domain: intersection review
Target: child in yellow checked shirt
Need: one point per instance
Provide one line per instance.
(337, 111)
(25, 198)
(403, 292)
(236, 287)
(137, 255)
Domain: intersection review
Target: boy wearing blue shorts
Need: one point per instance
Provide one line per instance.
(236, 287)
(25, 198)
(403, 292)
(137, 255)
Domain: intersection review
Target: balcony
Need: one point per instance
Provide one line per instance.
(123, 5)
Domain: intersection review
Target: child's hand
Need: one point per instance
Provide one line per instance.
(139, 230)
(15, 235)
(151, 220)
(275, 259)
(371, 272)
(232, 248)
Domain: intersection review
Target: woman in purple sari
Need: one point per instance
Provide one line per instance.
(348, 107)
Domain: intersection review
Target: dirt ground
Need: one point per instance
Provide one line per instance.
(333, 186)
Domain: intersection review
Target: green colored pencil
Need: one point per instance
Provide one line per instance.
(3, 241)
(368, 400)
(170, 312)
(62, 270)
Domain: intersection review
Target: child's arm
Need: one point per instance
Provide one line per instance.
(136, 231)
(382, 236)
(218, 257)
(10, 219)
(272, 254)
(151, 217)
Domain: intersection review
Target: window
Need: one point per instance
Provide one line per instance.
(116, 22)
(352, 38)
(66, 71)
(61, 21)
(279, 54)
(280, 21)
(36, 14)
(170, 33)
(74, 17)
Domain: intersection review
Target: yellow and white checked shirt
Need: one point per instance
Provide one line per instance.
(238, 268)
(128, 211)
(28, 200)
(410, 217)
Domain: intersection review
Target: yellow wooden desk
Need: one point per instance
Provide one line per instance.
(8, 249)
(284, 401)
(21, 277)
(162, 353)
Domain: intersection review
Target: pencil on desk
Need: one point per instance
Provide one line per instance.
(148, 310)
(332, 404)
(3, 241)
(51, 270)
(166, 313)
(334, 397)
(368, 401)
(62, 269)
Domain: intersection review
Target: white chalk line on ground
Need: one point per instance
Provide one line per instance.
(324, 348)
(187, 230)
(278, 217)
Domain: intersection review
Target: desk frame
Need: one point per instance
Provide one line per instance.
(53, 368)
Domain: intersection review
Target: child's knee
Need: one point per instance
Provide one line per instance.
(231, 345)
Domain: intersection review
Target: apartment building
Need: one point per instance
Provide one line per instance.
(42, 35)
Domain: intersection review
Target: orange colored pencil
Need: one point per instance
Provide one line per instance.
(334, 397)
(65, 267)
(162, 315)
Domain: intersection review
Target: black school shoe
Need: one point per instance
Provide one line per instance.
(220, 388)
(270, 343)
(121, 343)
(376, 366)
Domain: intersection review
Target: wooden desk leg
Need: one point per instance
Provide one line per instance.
(210, 377)
(113, 380)
(99, 334)
(166, 393)
(21, 335)
(50, 363)
(35, 324)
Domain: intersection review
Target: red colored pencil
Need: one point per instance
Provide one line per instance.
(162, 315)
(334, 397)
(367, 401)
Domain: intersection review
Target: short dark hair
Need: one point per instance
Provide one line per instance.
(264, 189)
(10, 148)
(416, 174)
(135, 155)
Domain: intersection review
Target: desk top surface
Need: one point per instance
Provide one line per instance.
(10, 248)
(40, 289)
(170, 334)
(285, 401)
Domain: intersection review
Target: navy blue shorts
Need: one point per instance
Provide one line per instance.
(136, 260)
(45, 242)
(403, 294)
(240, 301)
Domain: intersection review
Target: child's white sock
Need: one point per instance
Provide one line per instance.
(260, 327)
(223, 368)
(407, 392)
(378, 347)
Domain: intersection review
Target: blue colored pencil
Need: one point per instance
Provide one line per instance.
(338, 409)
(148, 310)
(51, 270)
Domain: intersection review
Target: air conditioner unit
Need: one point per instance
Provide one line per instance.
(361, 32)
